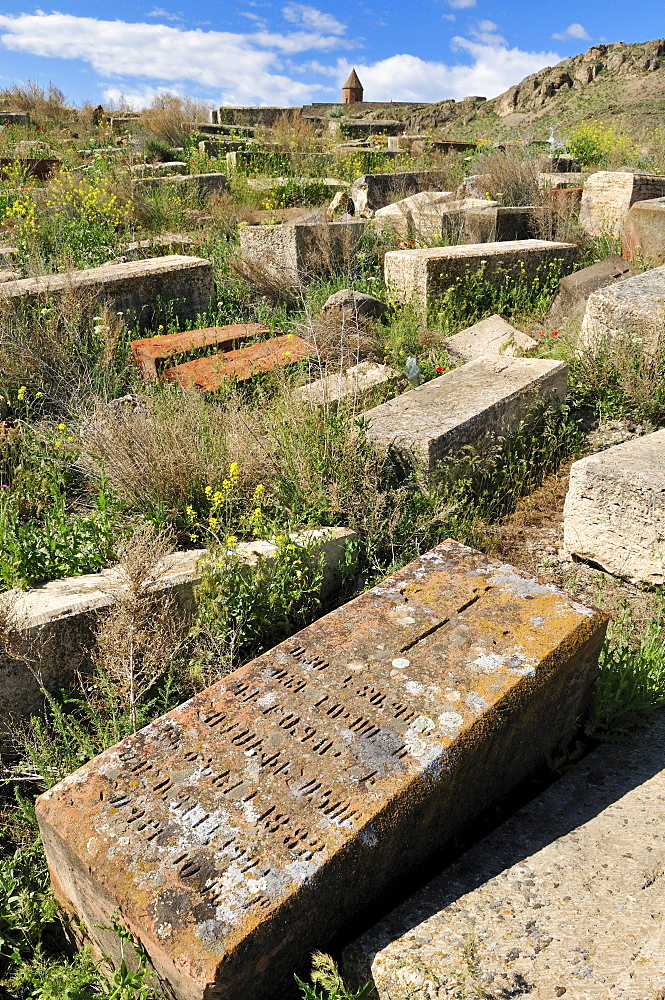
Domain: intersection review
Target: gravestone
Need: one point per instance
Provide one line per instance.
(632, 309)
(419, 275)
(149, 350)
(209, 374)
(563, 900)
(574, 289)
(644, 232)
(614, 514)
(137, 287)
(492, 223)
(352, 385)
(242, 830)
(199, 186)
(169, 168)
(468, 406)
(372, 191)
(291, 254)
(57, 619)
(608, 195)
(489, 336)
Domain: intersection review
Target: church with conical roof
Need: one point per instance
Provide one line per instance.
(352, 91)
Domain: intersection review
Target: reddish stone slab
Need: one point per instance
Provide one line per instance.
(564, 201)
(207, 374)
(148, 350)
(238, 832)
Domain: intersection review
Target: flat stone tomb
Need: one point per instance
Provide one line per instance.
(135, 286)
(489, 336)
(614, 514)
(564, 899)
(149, 350)
(241, 830)
(632, 309)
(471, 405)
(417, 275)
(208, 374)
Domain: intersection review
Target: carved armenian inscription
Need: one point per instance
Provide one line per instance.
(238, 831)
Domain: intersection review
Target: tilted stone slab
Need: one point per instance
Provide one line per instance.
(199, 186)
(352, 386)
(149, 350)
(372, 191)
(644, 232)
(574, 289)
(489, 336)
(484, 399)
(293, 253)
(208, 374)
(633, 309)
(614, 514)
(56, 619)
(133, 287)
(419, 275)
(241, 830)
(608, 195)
(564, 899)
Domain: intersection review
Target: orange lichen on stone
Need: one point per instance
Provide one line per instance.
(238, 832)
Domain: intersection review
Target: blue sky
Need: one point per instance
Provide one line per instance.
(285, 53)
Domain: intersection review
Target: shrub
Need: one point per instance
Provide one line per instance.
(596, 144)
(171, 117)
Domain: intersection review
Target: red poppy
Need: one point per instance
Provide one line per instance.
(441, 369)
(542, 334)
(555, 333)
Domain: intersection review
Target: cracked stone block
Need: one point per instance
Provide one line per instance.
(420, 275)
(489, 336)
(242, 830)
(614, 514)
(632, 309)
(469, 406)
(562, 900)
(133, 287)
(608, 195)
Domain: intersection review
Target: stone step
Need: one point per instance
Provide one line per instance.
(472, 405)
(565, 899)
(240, 831)
(134, 287)
(208, 374)
(148, 350)
(614, 514)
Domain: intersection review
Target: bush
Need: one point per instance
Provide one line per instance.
(595, 144)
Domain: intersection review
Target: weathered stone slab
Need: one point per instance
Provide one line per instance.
(293, 253)
(564, 201)
(240, 831)
(57, 618)
(614, 514)
(149, 350)
(353, 385)
(208, 374)
(199, 186)
(562, 900)
(14, 118)
(484, 399)
(134, 287)
(644, 232)
(574, 289)
(633, 308)
(489, 336)
(418, 275)
(491, 223)
(372, 191)
(608, 195)
(168, 168)
(430, 215)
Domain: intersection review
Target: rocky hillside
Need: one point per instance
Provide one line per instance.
(618, 82)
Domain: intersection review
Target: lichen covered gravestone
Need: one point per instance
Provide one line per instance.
(629, 310)
(608, 195)
(241, 830)
(644, 232)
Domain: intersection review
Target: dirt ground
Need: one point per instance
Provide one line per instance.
(532, 539)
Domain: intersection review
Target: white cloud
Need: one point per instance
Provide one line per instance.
(448, 17)
(487, 33)
(574, 30)
(244, 68)
(494, 68)
(461, 4)
(310, 17)
(165, 14)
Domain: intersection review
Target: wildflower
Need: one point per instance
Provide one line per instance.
(259, 491)
(555, 333)
(231, 541)
(440, 368)
(542, 334)
(20, 395)
(62, 427)
(38, 395)
(58, 444)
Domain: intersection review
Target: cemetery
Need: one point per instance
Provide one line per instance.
(332, 511)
